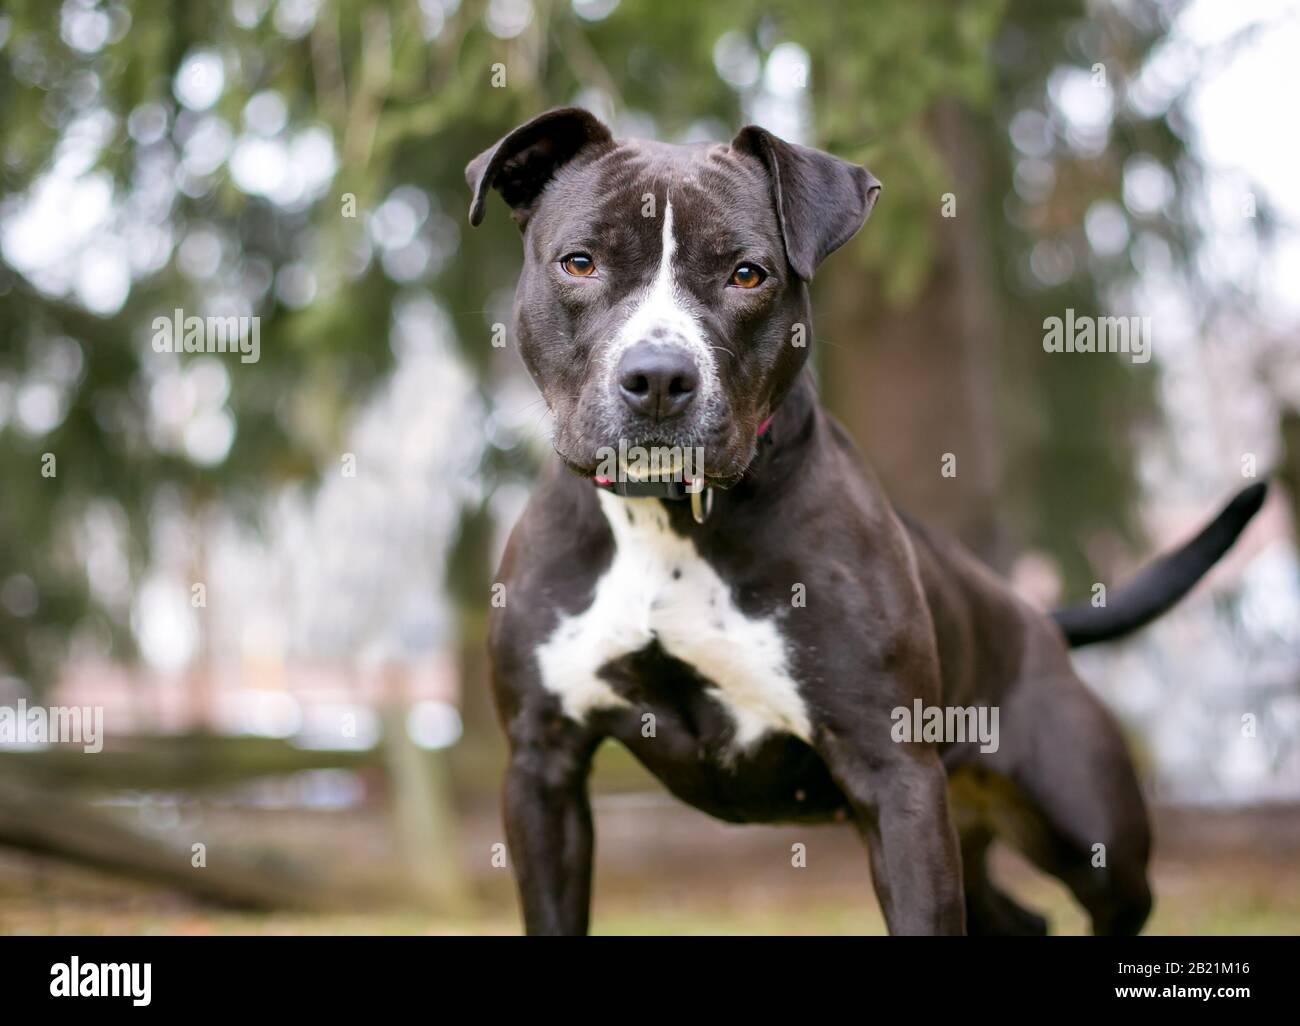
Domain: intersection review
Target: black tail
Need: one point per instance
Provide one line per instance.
(1162, 583)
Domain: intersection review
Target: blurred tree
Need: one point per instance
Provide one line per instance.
(247, 157)
(1030, 167)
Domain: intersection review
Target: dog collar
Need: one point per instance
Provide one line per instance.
(674, 491)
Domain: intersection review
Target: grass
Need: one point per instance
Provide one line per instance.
(666, 870)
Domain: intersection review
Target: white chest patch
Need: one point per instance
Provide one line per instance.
(658, 587)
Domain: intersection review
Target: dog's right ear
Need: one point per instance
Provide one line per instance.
(520, 164)
(821, 201)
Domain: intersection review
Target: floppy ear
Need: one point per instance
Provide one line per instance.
(521, 163)
(820, 200)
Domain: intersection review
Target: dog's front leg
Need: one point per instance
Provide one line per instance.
(548, 828)
(900, 806)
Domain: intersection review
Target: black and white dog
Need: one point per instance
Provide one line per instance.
(749, 628)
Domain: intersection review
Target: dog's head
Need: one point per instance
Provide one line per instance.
(664, 295)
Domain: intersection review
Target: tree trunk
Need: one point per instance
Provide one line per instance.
(424, 814)
(920, 383)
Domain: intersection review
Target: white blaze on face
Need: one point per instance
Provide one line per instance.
(663, 308)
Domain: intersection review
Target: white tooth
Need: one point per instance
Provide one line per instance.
(669, 464)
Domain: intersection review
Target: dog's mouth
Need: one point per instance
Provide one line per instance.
(650, 461)
(687, 453)
(640, 462)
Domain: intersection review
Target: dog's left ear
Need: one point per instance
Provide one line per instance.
(821, 201)
(521, 164)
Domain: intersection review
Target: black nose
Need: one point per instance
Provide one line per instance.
(657, 381)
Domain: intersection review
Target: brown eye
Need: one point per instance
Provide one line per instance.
(579, 265)
(748, 276)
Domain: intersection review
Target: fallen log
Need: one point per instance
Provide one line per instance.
(185, 762)
(44, 822)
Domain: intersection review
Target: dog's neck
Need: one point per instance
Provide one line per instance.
(782, 463)
(789, 435)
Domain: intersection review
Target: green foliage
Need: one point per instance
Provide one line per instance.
(405, 105)
(1071, 420)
